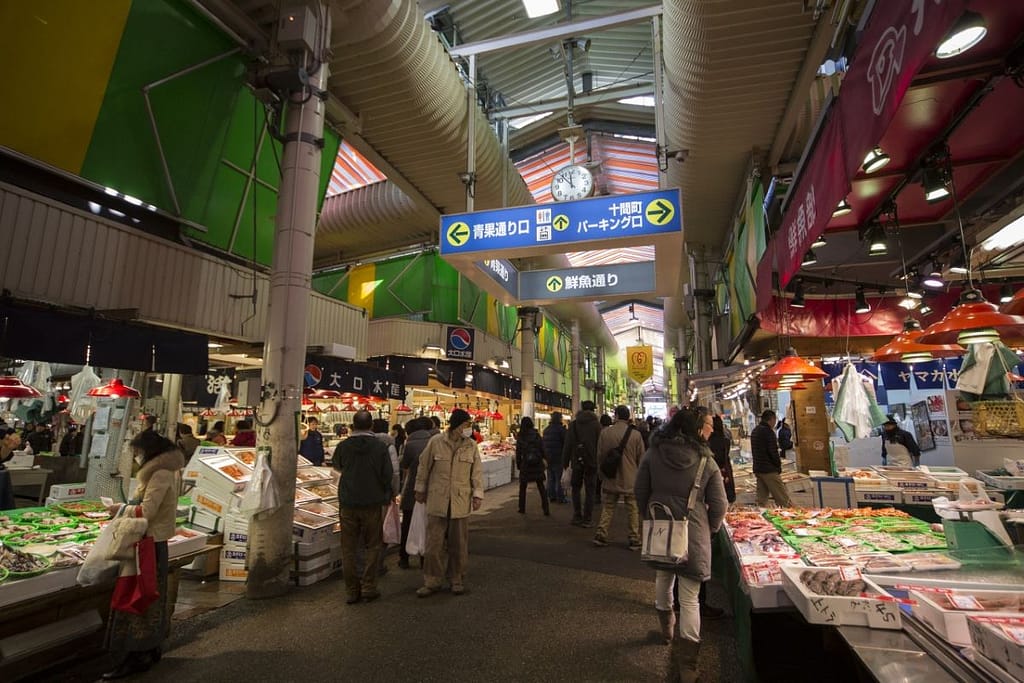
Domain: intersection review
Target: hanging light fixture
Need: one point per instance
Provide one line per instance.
(1005, 294)
(1015, 306)
(934, 183)
(875, 160)
(792, 366)
(809, 258)
(403, 409)
(798, 295)
(906, 345)
(819, 242)
(878, 243)
(12, 387)
(114, 389)
(925, 309)
(861, 301)
(968, 31)
(934, 278)
(842, 208)
(973, 321)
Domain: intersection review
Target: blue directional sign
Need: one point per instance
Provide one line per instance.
(589, 282)
(502, 272)
(564, 223)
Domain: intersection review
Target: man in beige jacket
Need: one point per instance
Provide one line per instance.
(450, 481)
(621, 486)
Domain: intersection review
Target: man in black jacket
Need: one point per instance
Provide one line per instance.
(554, 444)
(764, 446)
(363, 490)
(580, 453)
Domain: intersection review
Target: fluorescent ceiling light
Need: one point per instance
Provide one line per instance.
(966, 33)
(639, 101)
(540, 8)
(214, 345)
(524, 121)
(1009, 236)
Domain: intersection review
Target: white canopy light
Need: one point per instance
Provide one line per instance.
(540, 8)
(966, 33)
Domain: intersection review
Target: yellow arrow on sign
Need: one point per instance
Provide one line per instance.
(660, 211)
(458, 234)
(561, 222)
(554, 283)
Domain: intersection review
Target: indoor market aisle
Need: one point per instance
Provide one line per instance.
(542, 603)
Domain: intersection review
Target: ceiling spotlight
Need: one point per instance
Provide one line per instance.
(819, 242)
(862, 302)
(875, 160)
(842, 208)
(925, 309)
(981, 335)
(934, 182)
(909, 303)
(809, 258)
(965, 34)
(878, 244)
(1005, 294)
(798, 295)
(934, 278)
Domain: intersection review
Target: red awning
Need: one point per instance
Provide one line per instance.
(898, 40)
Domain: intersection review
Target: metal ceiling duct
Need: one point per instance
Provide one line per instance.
(392, 71)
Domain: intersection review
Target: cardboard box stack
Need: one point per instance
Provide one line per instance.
(316, 530)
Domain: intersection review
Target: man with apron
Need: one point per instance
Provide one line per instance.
(898, 446)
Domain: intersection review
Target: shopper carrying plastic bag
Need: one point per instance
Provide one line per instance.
(417, 541)
(97, 568)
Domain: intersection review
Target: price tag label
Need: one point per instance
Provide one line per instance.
(849, 573)
(965, 601)
(844, 541)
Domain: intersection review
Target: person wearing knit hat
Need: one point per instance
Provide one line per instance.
(450, 481)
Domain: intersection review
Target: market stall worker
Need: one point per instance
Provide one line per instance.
(312, 446)
(764, 446)
(363, 489)
(450, 481)
(244, 434)
(898, 446)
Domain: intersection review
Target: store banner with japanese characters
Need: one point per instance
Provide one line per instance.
(640, 363)
(365, 380)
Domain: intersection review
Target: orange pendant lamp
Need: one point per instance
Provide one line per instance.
(905, 347)
(973, 321)
(114, 389)
(12, 387)
(1014, 306)
(791, 367)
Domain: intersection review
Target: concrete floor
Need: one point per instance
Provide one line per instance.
(542, 603)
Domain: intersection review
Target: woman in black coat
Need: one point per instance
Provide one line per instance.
(720, 446)
(531, 463)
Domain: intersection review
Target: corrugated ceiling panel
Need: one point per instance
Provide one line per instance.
(112, 266)
(351, 171)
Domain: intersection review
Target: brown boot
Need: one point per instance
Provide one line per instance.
(667, 619)
(685, 653)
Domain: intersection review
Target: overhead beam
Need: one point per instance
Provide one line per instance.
(556, 32)
(594, 98)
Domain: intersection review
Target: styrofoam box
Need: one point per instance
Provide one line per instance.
(195, 464)
(204, 520)
(68, 491)
(797, 483)
(219, 504)
(949, 623)
(997, 672)
(309, 535)
(12, 591)
(232, 571)
(185, 541)
(988, 638)
(922, 496)
(309, 578)
(880, 495)
(840, 611)
(802, 499)
(316, 546)
(235, 535)
(318, 561)
(834, 492)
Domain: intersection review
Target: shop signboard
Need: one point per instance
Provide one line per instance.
(566, 223)
(503, 272)
(590, 282)
(459, 342)
(639, 363)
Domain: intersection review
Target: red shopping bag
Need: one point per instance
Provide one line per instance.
(134, 593)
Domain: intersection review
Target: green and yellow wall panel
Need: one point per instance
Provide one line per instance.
(83, 68)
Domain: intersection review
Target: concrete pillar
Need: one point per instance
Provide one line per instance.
(270, 547)
(527, 321)
(601, 381)
(577, 362)
(171, 391)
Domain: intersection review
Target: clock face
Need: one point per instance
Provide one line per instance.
(572, 182)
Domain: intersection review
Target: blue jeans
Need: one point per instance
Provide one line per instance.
(555, 491)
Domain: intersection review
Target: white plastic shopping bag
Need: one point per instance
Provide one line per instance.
(97, 569)
(416, 544)
(259, 495)
(567, 479)
(392, 525)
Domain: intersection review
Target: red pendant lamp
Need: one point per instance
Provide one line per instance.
(326, 394)
(114, 389)
(403, 409)
(792, 366)
(906, 347)
(1014, 306)
(973, 321)
(12, 387)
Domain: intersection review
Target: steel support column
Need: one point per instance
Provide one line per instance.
(576, 361)
(528, 326)
(270, 547)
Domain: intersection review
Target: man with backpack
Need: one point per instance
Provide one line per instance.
(580, 453)
(620, 449)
